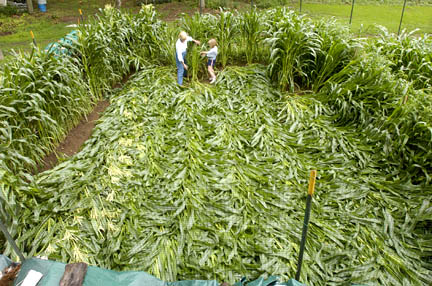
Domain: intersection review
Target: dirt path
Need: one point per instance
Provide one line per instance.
(76, 137)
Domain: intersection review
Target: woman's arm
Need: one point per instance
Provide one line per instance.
(193, 40)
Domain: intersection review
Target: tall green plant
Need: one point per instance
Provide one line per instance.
(195, 61)
(251, 33)
(294, 46)
(200, 27)
(226, 31)
(337, 49)
(409, 55)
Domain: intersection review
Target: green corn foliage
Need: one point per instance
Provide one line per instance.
(294, 46)
(200, 27)
(197, 64)
(209, 182)
(41, 97)
(337, 49)
(409, 55)
(115, 43)
(305, 53)
(251, 30)
(226, 32)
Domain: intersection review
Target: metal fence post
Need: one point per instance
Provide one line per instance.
(311, 191)
(403, 10)
(9, 238)
(352, 9)
(301, 1)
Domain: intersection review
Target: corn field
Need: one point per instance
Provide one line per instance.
(209, 181)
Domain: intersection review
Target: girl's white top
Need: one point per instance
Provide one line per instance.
(181, 48)
(212, 53)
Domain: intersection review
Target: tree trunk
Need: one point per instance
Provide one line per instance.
(202, 4)
(118, 3)
(30, 6)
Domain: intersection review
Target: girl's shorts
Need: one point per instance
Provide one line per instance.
(211, 63)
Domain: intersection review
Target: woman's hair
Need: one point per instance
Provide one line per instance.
(212, 42)
(183, 35)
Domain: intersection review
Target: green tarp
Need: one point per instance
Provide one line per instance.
(53, 271)
(4, 262)
(62, 46)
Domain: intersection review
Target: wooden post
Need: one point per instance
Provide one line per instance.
(29, 6)
(201, 5)
(74, 274)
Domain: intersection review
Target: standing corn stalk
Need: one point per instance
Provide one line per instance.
(251, 29)
(226, 32)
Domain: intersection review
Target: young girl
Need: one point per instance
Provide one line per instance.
(181, 46)
(211, 59)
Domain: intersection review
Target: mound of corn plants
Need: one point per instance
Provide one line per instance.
(408, 55)
(210, 183)
(305, 53)
(42, 96)
(113, 44)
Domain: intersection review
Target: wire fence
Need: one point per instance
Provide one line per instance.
(361, 15)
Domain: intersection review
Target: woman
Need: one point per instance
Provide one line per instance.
(181, 46)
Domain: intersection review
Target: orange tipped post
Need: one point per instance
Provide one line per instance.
(81, 15)
(312, 180)
(311, 190)
(33, 38)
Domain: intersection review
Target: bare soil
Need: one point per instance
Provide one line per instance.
(75, 139)
(69, 19)
(78, 135)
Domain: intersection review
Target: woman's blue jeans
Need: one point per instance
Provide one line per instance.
(181, 72)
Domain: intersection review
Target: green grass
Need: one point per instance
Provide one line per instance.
(45, 31)
(50, 26)
(365, 16)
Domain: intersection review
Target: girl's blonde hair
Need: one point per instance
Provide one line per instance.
(212, 42)
(183, 35)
